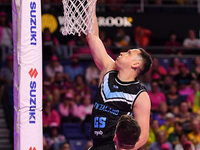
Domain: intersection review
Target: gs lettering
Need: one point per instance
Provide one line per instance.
(99, 122)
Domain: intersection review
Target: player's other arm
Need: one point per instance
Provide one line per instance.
(100, 56)
(141, 113)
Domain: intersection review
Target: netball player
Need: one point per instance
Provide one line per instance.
(119, 92)
(127, 133)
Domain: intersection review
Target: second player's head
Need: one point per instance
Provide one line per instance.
(127, 132)
(134, 60)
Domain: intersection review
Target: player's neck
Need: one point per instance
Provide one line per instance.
(126, 76)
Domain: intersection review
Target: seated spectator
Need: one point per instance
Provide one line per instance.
(156, 96)
(183, 80)
(92, 74)
(74, 68)
(49, 115)
(55, 140)
(81, 44)
(142, 37)
(106, 41)
(79, 41)
(65, 146)
(146, 81)
(173, 68)
(48, 39)
(160, 115)
(47, 94)
(183, 139)
(161, 142)
(175, 110)
(59, 87)
(68, 109)
(184, 116)
(172, 44)
(168, 126)
(195, 71)
(86, 108)
(122, 39)
(193, 99)
(80, 88)
(49, 43)
(156, 67)
(166, 84)
(173, 98)
(173, 137)
(154, 128)
(53, 67)
(194, 135)
(191, 42)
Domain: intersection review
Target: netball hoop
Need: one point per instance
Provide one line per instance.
(78, 15)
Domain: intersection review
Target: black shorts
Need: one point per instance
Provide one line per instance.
(110, 146)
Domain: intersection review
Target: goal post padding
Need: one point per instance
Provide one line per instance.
(27, 42)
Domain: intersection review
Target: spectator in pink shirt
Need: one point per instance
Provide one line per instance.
(158, 68)
(86, 108)
(49, 115)
(68, 109)
(156, 96)
(157, 71)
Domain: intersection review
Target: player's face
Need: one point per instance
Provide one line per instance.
(127, 59)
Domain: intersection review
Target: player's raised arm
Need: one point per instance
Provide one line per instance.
(100, 56)
(143, 105)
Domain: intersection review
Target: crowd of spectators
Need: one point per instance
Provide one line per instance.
(121, 41)
(175, 111)
(67, 96)
(174, 92)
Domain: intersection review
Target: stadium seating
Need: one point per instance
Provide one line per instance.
(78, 144)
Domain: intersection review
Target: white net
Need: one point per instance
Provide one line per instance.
(78, 16)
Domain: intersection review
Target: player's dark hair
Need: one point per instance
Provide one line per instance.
(147, 61)
(127, 131)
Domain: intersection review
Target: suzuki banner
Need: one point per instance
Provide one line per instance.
(27, 74)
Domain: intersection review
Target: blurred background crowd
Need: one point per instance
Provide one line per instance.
(70, 78)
